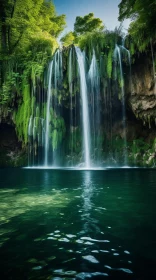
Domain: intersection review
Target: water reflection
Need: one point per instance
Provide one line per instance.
(97, 240)
(88, 192)
(85, 224)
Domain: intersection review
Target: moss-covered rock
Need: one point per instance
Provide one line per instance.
(11, 152)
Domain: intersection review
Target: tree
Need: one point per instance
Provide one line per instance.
(28, 37)
(88, 23)
(68, 39)
(143, 27)
(21, 20)
(126, 9)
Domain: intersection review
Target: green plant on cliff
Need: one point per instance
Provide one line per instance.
(101, 40)
(91, 40)
(142, 152)
(10, 85)
(110, 63)
(103, 43)
(22, 115)
(68, 39)
(28, 36)
(143, 27)
(57, 129)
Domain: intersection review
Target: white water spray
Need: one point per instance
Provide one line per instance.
(48, 114)
(85, 113)
(94, 89)
(71, 100)
(118, 53)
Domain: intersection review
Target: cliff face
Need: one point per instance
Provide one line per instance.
(11, 152)
(142, 91)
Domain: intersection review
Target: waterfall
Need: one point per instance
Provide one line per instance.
(52, 110)
(36, 126)
(94, 90)
(117, 54)
(129, 61)
(67, 124)
(58, 76)
(48, 113)
(30, 128)
(71, 100)
(153, 63)
(85, 111)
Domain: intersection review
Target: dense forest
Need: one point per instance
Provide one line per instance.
(29, 32)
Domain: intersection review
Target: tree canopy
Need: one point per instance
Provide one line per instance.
(21, 21)
(28, 38)
(83, 26)
(88, 23)
(68, 39)
(143, 26)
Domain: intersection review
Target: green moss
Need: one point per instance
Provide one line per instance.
(109, 63)
(74, 141)
(18, 158)
(22, 115)
(56, 129)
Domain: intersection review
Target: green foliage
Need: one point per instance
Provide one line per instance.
(99, 41)
(57, 129)
(74, 142)
(109, 63)
(143, 28)
(126, 9)
(88, 23)
(103, 43)
(28, 32)
(28, 38)
(22, 115)
(90, 40)
(68, 39)
(22, 20)
(142, 153)
(24, 66)
(8, 87)
(139, 35)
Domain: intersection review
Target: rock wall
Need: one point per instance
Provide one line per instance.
(141, 90)
(11, 152)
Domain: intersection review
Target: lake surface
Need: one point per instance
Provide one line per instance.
(66, 224)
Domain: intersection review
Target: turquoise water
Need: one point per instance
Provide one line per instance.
(66, 224)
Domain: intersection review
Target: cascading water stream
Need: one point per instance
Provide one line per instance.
(48, 113)
(52, 110)
(85, 111)
(71, 100)
(129, 61)
(56, 109)
(154, 70)
(30, 126)
(117, 53)
(94, 90)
